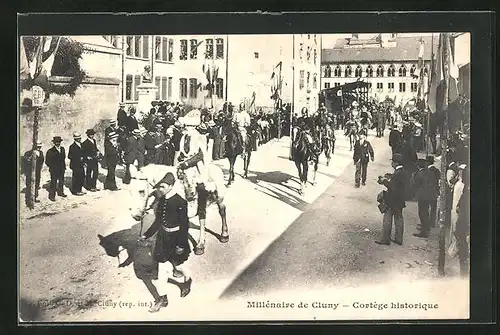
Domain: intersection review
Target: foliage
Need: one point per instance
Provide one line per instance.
(66, 64)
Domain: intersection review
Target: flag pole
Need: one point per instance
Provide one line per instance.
(292, 109)
(428, 143)
(443, 225)
(278, 102)
(32, 182)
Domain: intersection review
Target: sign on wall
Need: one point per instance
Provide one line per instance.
(38, 96)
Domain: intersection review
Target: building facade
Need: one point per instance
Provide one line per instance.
(388, 62)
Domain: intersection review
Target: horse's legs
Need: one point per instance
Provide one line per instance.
(231, 159)
(305, 172)
(316, 159)
(247, 162)
(224, 236)
(202, 215)
(301, 177)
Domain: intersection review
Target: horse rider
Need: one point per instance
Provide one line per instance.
(193, 153)
(242, 121)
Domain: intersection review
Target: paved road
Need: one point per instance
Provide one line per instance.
(278, 240)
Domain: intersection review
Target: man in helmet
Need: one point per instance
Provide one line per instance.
(242, 121)
(193, 154)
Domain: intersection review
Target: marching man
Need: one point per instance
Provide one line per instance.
(242, 120)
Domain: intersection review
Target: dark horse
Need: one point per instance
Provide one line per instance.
(236, 145)
(304, 150)
(351, 131)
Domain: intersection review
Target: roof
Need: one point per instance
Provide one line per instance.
(407, 48)
(347, 87)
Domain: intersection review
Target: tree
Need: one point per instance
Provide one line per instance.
(66, 64)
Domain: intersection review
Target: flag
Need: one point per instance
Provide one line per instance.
(36, 62)
(49, 62)
(439, 99)
(24, 68)
(437, 77)
(47, 44)
(421, 55)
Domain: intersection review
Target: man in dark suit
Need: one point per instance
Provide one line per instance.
(132, 122)
(76, 164)
(395, 140)
(112, 128)
(27, 167)
(90, 155)
(55, 159)
(436, 176)
(363, 152)
(134, 151)
(122, 116)
(395, 202)
(423, 186)
(112, 158)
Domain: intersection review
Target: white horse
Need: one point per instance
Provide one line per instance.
(204, 196)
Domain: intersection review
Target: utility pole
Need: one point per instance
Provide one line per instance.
(444, 194)
(292, 109)
(227, 66)
(428, 143)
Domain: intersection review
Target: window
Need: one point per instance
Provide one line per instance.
(308, 54)
(183, 87)
(137, 82)
(358, 72)
(193, 54)
(130, 42)
(338, 71)
(328, 71)
(402, 87)
(380, 86)
(412, 70)
(414, 87)
(169, 88)
(145, 46)
(219, 88)
(128, 87)
(315, 39)
(337, 84)
(111, 39)
(402, 71)
(301, 49)
(348, 71)
(308, 78)
(183, 51)
(308, 36)
(391, 72)
(315, 81)
(327, 85)
(164, 50)
(390, 86)
(369, 71)
(157, 48)
(426, 71)
(170, 50)
(193, 88)
(219, 48)
(315, 56)
(209, 49)
(157, 84)
(380, 71)
(301, 79)
(256, 55)
(137, 46)
(164, 88)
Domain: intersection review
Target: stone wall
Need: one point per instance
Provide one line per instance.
(94, 102)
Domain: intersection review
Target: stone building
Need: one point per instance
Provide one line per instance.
(388, 61)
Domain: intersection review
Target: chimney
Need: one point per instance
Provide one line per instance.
(355, 36)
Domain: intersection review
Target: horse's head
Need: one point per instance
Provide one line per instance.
(111, 247)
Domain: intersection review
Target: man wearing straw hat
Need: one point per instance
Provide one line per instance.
(77, 165)
(55, 159)
(27, 166)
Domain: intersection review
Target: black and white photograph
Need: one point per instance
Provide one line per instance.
(244, 177)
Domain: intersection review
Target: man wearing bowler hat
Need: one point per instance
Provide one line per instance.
(134, 151)
(395, 201)
(112, 158)
(121, 116)
(76, 164)
(27, 166)
(363, 152)
(90, 155)
(55, 159)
